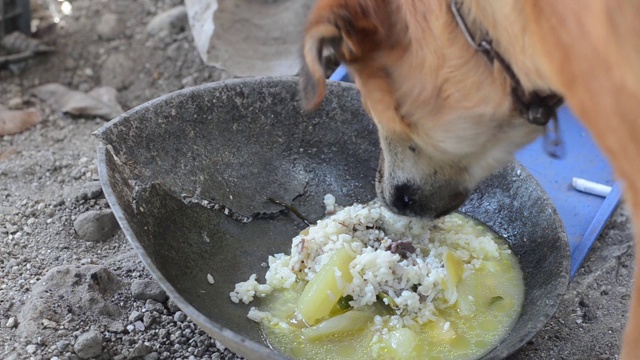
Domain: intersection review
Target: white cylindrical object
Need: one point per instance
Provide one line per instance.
(590, 187)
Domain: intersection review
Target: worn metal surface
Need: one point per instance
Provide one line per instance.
(240, 141)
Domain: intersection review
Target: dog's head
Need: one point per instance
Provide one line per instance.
(444, 113)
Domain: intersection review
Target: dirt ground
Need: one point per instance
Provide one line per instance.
(46, 177)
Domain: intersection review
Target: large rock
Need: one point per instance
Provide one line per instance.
(83, 292)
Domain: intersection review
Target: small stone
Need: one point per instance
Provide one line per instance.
(48, 324)
(89, 191)
(220, 346)
(31, 348)
(138, 325)
(135, 316)
(149, 319)
(140, 350)
(188, 81)
(148, 289)
(152, 356)
(109, 26)
(131, 328)
(180, 317)
(15, 103)
(12, 322)
(115, 327)
(119, 357)
(171, 21)
(154, 306)
(88, 345)
(163, 334)
(210, 279)
(172, 306)
(62, 345)
(96, 226)
(118, 71)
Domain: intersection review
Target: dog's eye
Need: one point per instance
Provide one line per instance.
(412, 148)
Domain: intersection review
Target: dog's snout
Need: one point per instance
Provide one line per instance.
(455, 201)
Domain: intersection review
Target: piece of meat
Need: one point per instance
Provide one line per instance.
(402, 248)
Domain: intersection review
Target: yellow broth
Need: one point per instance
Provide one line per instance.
(489, 302)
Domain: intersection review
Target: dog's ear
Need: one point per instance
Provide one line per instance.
(348, 27)
(312, 73)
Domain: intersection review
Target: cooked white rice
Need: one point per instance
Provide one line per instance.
(368, 230)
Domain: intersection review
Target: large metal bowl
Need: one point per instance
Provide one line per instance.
(238, 142)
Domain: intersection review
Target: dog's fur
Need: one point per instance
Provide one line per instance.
(445, 115)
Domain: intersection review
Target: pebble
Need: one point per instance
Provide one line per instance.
(117, 71)
(15, 103)
(62, 345)
(12, 322)
(31, 348)
(135, 316)
(96, 226)
(172, 306)
(89, 191)
(138, 325)
(148, 289)
(48, 324)
(154, 306)
(180, 317)
(140, 350)
(152, 356)
(88, 345)
(149, 319)
(171, 21)
(109, 26)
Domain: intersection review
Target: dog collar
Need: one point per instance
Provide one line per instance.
(537, 108)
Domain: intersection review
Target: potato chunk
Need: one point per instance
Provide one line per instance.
(454, 267)
(323, 291)
(400, 343)
(347, 322)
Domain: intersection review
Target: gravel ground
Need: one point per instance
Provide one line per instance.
(71, 287)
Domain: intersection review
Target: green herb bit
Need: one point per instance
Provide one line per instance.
(343, 303)
(387, 300)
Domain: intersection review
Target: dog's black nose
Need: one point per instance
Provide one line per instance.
(409, 200)
(404, 200)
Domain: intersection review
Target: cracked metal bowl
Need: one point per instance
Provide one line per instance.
(241, 141)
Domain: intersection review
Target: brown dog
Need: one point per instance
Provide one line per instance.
(447, 117)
